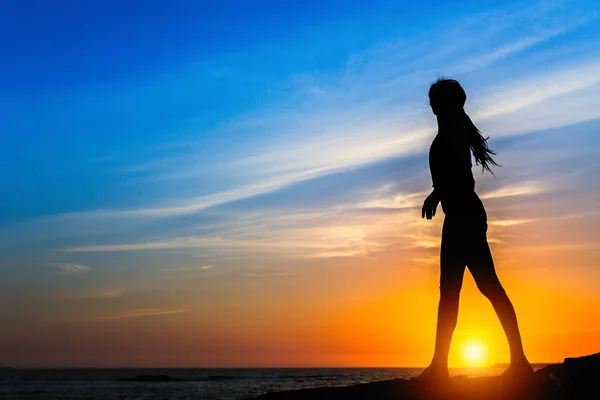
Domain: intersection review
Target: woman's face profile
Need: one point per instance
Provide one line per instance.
(433, 110)
(433, 103)
(432, 100)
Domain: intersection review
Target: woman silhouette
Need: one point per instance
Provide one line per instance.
(464, 241)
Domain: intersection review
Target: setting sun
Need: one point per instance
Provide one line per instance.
(474, 353)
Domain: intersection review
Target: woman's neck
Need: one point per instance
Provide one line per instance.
(450, 122)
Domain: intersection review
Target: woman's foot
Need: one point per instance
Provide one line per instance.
(518, 369)
(432, 373)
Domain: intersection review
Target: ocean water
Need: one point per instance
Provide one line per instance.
(199, 383)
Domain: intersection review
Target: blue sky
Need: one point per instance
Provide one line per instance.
(252, 138)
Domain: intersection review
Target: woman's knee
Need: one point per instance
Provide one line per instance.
(450, 292)
(491, 289)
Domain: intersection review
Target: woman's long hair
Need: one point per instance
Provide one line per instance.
(447, 97)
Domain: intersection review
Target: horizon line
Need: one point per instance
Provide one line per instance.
(266, 367)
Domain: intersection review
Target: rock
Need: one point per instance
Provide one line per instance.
(576, 378)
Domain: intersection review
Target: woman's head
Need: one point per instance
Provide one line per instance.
(447, 97)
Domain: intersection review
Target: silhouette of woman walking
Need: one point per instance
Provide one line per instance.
(464, 241)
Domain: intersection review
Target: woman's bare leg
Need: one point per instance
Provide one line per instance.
(481, 265)
(446, 323)
(452, 272)
(452, 267)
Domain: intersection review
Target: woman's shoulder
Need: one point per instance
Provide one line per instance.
(449, 146)
(455, 138)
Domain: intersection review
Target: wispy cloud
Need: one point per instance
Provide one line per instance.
(354, 122)
(399, 201)
(508, 222)
(515, 189)
(175, 243)
(431, 260)
(187, 269)
(329, 242)
(505, 50)
(200, 203)
(562, 247)
(72, 268)
(269, 274)
(344, 230)
(319, 235)
(538, 87)
(146, 312)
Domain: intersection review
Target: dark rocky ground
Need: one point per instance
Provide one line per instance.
(575, 378)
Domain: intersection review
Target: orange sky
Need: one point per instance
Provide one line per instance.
(373, 310)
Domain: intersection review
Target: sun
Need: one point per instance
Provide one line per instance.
(474, 353)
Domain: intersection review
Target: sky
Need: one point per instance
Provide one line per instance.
(239, 183)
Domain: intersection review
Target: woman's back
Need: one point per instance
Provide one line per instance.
(450, 165)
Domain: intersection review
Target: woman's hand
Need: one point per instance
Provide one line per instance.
(429, 205)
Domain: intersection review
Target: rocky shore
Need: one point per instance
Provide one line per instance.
(574, 379)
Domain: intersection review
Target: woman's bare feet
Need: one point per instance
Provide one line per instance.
(518, 369)
(432, 373)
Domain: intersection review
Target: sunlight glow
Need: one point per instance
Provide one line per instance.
(474, 353)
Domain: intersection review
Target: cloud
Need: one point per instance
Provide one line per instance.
(200, 203)
(399, 201)
(340, 233)
(562, 247)
(431, 260)
(72, 268)
(343, 230)
(186, 269)
(508, 222)
(327, 241)
(369, 113)
(505, 50)
(146, 312)
(536, 88)
(515, 189)
(175, 243)
(269, 274)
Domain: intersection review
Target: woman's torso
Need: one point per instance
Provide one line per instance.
(450, 165)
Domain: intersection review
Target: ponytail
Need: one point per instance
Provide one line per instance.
(482, 153)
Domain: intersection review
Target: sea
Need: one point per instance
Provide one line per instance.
(197, 383)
